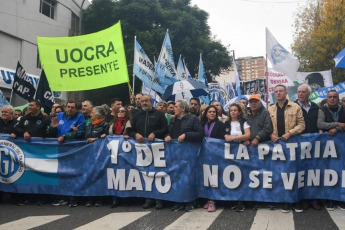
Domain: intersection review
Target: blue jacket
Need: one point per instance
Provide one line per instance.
(65, 124)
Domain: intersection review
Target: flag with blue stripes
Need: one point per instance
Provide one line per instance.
(165, 67)
(144, 69)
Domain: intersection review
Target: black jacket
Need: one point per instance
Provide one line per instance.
(7, 127)
(95, 131)
(190, 126)
(146, 123)
(36, 126)
(218, 130)
(310, 118)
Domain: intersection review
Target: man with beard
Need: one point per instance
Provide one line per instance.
(149, 123)
(331, 119)
(194, 106)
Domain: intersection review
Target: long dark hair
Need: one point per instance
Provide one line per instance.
(204, 119)
(128, 117)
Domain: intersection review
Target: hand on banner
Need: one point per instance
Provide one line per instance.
(274, 138)
(151, 137)
(167, 139)
(74, 128)
(246, 143)
(341, 125)
(286, 136)
(61, 139)
(332, 132)
(139, 138)
(181, 138)
(27, 136)
(104, 135)
(90, 140)
(55, 122)
(255, 142)
(13, 135)
(124, 136)
(229, 138)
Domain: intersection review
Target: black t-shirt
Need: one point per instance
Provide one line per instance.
(281, 119)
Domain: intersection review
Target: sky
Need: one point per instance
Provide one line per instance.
(242, 23)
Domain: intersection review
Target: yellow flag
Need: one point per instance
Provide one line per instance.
(84, 62)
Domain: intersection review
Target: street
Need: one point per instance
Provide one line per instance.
(134, 217)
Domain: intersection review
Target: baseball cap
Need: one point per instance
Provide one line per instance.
(255, 96)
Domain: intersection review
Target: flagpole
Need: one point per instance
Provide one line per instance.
(135, 39)
(38, 81)
(154, 61)
(266, 83)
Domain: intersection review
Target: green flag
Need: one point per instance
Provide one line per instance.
(84, 62)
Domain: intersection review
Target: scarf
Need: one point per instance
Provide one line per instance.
(117, 129)
(207, 130)
(96, 122)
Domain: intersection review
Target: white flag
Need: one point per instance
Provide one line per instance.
(282, 61)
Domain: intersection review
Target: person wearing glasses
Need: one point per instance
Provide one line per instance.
(214, 128)
(331, 119)
(120, 125)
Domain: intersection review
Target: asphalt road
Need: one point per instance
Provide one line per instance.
(134, 217)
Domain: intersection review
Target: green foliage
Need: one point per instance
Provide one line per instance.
(148, 20)
(319, 36)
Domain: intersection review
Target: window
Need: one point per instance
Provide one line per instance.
(74, 25)
(47, 7)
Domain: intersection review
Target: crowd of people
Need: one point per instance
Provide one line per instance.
(247, 122)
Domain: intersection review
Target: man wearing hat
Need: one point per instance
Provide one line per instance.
(259, 120)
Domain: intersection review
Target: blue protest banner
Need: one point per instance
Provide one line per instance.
(306, 167)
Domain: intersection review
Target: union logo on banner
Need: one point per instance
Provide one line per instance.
(12, 161)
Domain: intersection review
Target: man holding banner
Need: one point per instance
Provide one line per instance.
(332, 120)
(149, 123)
(287, 119)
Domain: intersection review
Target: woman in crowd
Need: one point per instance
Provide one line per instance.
(237, 129)
(98, 128)
(201, 111)
(215, 129)
(120, 125)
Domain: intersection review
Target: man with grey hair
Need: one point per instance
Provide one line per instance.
(184, 127)
(7, 121)
(310, 114)
(86, 109)
(149, 123)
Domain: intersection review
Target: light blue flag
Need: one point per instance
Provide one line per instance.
(165, 67)
(187, 71)
(202, 79)
(181, 73)
(237, 79)
(3, 100)
(144, 69)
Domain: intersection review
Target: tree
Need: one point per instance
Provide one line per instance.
(149, 20)
(319, 36)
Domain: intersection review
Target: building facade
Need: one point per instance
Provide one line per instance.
(21, 21)
(251, 68)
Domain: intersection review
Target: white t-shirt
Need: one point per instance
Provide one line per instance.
(236, 128)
